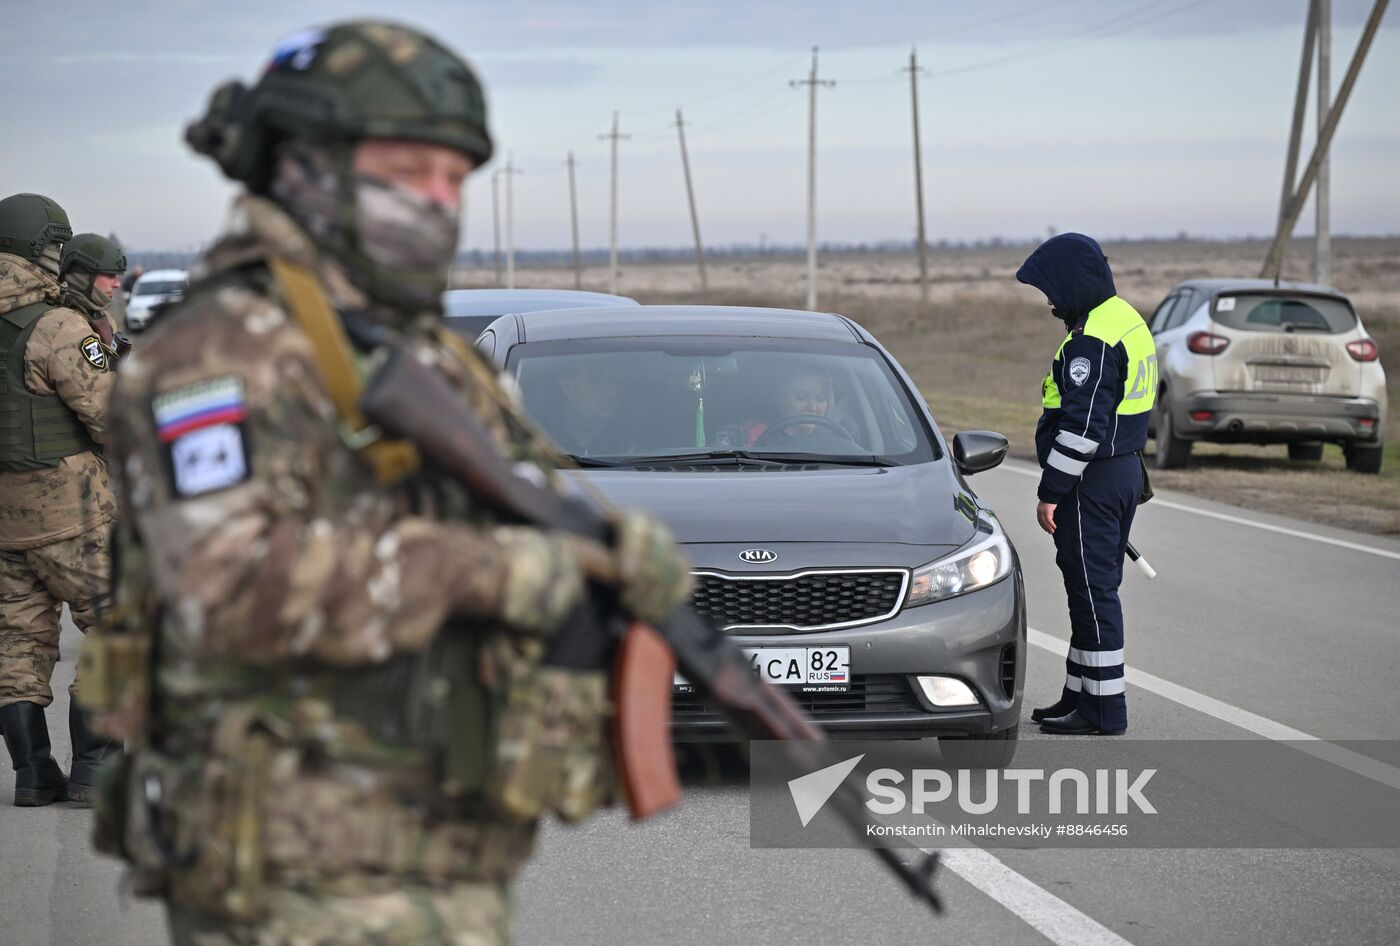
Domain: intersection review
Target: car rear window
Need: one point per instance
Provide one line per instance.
(157, 288)
(1272, 313)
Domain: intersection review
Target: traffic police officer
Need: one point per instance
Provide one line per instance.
(55, 497)
(1097, 399)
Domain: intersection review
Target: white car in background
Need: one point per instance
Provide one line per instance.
(1254, 361)
(153, 290)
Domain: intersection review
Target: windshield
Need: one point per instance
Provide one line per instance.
(158, 288)
(1272, 313)
(706, 399)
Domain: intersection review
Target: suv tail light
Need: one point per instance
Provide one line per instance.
(1363, 349)
(1206, 343)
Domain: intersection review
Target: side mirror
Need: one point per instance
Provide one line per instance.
(978, 450)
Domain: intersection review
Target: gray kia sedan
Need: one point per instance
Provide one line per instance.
(832, 528)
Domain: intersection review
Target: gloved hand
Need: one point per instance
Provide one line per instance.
(654, 575)
(543, 583)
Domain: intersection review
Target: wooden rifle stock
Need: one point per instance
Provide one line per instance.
(407, 400)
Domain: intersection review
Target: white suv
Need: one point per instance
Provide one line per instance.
(153, 290)
(1253, 361)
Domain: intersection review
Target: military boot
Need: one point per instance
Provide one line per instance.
(38, 779)
(89, 749)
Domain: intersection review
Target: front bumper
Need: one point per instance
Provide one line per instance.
(979, 638)
(1276, 418)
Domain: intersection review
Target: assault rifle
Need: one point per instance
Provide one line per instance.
(407, 400)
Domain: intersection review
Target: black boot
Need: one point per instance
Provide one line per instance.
(38, 779)
(89, 749)
(1049, 712)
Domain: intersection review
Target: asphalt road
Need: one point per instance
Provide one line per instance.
(1258, 626)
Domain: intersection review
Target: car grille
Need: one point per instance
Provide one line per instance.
(879, 694)
(806, 601)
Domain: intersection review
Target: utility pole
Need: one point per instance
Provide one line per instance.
(812, 82)
(510, 170)
(496, 220)
(914, 70)
(573, 218)
(614, 137)
(1273, 264)
(690, 196)
(1300, 108)
(1322, 246)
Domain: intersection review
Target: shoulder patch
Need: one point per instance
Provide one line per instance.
(202, 425)
(1079, 370)
(94, 352)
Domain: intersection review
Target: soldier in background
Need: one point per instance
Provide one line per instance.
(55, 498)
(354, 729)
(91, 270)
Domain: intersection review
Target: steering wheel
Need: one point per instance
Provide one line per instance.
(798, 420)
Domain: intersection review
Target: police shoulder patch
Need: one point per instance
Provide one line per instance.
(1079, 370)
(202, 426)
(94, 352)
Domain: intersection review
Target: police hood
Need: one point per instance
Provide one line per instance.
(908, 505)
(1072, 272)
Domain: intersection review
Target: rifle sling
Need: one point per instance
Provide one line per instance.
(392, 460)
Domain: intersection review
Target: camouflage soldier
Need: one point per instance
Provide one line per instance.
(91, 269)
(55, 497)
(353, 729)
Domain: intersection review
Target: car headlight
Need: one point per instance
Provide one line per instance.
(983, 561)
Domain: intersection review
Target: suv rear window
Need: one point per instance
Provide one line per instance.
(1269, 313)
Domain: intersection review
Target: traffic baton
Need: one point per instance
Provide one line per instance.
(1136, 556)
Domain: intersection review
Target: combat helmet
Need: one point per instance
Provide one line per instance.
(29, 222)
(94, 253)
(346, 82)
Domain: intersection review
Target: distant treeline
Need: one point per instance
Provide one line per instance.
(594, 256)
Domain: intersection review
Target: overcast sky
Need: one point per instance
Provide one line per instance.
(1116, 117)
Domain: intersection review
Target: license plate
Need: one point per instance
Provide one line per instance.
(810, 669)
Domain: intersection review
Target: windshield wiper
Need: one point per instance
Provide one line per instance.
(1305, 327)
(845, 459)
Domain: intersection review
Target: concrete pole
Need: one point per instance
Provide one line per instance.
(496, 221)
(690, 197)
(918, 176)
(509, 172)
(1300, 108)
(573, 218)
(812, 82)
(614, 137)
(1322, 247)
(1274, 262)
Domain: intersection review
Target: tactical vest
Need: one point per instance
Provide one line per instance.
(1116, 323)
(36, 431)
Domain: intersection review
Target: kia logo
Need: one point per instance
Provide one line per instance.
(758, 556)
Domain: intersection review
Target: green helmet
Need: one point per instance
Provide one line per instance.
(94, 253)
(30, 221)
(345, 82)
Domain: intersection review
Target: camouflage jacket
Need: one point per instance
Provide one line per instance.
(300, 592)
(63, 358)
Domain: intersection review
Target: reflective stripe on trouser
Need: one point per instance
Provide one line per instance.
(34, 585)
(1091, 537)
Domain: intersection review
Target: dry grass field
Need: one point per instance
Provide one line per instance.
(980, 346)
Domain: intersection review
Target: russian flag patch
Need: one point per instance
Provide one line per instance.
(202, 424)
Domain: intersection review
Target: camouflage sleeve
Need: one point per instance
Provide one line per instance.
(66, 357)
(268, 539)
